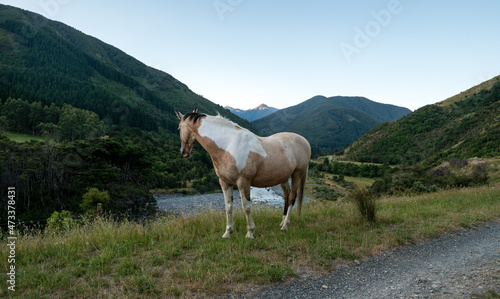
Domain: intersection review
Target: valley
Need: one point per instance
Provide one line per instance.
(84, 125)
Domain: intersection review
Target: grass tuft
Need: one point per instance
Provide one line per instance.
(365, 202)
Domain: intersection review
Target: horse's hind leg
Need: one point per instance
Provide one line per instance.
(228, 199)
(286, 192)
(290, 200)
(244, 188)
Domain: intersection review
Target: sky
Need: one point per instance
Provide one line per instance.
(242, 53)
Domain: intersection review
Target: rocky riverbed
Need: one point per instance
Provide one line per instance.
(193, 204)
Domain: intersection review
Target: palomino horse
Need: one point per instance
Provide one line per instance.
(244, 159)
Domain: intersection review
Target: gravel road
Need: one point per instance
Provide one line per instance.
(459, 265)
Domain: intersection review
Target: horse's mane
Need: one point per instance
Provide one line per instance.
(228, 121)
(194, 116)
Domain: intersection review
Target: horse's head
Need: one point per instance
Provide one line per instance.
(186, 133)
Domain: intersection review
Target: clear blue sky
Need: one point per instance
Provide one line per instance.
(246, 52)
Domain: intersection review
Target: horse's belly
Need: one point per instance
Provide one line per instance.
(271, 177)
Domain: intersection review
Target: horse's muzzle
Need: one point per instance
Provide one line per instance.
(185, 154)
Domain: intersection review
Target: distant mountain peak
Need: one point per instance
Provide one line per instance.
(253, 114)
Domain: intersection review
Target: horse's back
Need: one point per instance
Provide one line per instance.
(292, 145)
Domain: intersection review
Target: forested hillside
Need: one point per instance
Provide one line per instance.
(330, 123)
(465, 127)
(49, 62)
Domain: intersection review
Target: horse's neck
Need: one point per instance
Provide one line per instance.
(218, 130)
(236, 141)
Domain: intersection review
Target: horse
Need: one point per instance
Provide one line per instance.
(244, 159)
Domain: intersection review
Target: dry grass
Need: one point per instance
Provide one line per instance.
(470, 92)
(186, 256)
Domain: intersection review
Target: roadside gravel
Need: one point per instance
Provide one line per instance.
(459, 265)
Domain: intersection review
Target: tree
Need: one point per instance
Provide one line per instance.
(50, 131)
(35, 116)
(17, 111)
(79, 124)
(92, 197)
(4, 123)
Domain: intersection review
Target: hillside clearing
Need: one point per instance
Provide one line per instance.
(22, 137)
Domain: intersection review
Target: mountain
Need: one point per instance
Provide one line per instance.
(253, 114)
(49, 62)
(463, 126)
(330, 123)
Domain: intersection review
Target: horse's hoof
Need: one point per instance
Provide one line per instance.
(250, 236)
(227, 235)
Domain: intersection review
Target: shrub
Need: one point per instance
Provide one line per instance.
(325, 193)
(59, 222)
(419, 187)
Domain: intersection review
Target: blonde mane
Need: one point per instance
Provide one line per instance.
(227, 122)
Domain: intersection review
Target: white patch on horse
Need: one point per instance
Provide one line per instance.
(238, 142)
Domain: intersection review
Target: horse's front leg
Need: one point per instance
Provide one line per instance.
(228, 199)
(247, 208)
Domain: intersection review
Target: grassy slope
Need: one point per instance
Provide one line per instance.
(470, 92)
(186, 256)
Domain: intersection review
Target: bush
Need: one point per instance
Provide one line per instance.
(208, 183)
(366, 203)
(325, 193)
(419, 187)
(59, 222)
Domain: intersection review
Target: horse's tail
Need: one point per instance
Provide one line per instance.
(300, 194)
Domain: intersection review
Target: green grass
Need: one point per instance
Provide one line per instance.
(22, 137)
(186, 256)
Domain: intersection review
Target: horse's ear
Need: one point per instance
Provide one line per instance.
(195, 109)
(179, 115)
